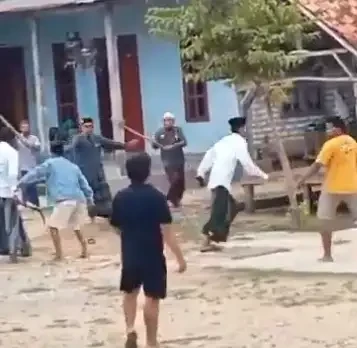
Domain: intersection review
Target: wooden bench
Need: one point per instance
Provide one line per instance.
(248, 185)
(307, 190)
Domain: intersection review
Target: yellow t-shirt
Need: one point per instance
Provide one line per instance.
(339, 156)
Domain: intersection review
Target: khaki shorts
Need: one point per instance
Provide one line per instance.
(68, 214)
(329, 202)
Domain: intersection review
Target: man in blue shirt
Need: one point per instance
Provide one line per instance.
(70, 191)
(142, 215)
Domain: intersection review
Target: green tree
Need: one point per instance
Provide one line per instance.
(244, 42)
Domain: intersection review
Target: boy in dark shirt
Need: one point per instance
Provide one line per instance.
(142, 214)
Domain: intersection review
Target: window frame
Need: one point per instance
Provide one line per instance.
(195, 98)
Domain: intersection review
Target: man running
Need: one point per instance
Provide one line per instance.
(141, 213)
(171, 140)
(338, 157)
(221, 159)
(13, 237)
(86, 151)
(69, 189)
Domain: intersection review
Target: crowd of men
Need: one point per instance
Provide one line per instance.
(77, 185)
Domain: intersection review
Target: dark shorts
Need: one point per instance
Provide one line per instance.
(152, 279)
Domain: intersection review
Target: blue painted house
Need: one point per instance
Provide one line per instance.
(136, 77)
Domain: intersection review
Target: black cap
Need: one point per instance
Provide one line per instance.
(237, 122)
(86, 120)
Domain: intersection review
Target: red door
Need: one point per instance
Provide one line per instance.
(130, 85)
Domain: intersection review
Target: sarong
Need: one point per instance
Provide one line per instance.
(102, 195)
(13, 237)
(224, 209)
(176, 178)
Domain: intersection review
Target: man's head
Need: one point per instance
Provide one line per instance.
(57, 148)
(25, 127)
(87, 125)
(335, 126)
(169, 120)
(7, 136)
(138, 167)
(237, 125)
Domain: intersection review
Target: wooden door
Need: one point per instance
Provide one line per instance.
(130, 85)
(65, 82)
(13, 100)
(103, 92)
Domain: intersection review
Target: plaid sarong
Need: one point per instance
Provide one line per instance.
(224, 209)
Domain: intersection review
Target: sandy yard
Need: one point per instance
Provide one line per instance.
(77, 303)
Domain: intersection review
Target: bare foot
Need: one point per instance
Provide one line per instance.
(57, 258)
(131, 340)
(13, 258)
(83, 255)
(210, 247)
(326, 259)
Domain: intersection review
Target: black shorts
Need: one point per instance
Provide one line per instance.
(152, 279)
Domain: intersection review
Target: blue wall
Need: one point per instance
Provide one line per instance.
(160, 73)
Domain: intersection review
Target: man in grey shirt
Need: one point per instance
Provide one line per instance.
(28, 146)
(171, 141)
(86, 150)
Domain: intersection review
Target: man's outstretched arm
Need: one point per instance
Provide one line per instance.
(322, 159)
(247, 163)
(110, 144)
(206, 163)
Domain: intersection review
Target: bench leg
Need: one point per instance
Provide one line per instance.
(249, 204)
(307, 197)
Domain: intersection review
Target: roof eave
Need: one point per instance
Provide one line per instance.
(323, 26)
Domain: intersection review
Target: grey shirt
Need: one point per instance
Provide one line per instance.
(175, 137)
(86, 150)
(28, 148)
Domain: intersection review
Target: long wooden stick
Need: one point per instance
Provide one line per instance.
(142, 136)
(9, 125)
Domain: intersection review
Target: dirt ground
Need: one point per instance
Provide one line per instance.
(77, 303)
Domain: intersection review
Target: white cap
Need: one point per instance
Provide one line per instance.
(169, 116)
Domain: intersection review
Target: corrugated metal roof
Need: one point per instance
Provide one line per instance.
(34, 5)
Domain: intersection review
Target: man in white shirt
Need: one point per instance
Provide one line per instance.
(221, 159)
(12, 233)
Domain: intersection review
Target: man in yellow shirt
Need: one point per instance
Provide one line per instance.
(339, 158)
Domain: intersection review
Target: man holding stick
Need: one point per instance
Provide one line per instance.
(28, 146)
(70, 191)
(221, 159)
(171, 141)
(86, 151)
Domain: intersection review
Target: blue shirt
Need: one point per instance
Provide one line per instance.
(139, 211)
(64, 180)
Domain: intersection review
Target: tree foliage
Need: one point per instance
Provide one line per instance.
(237, 40)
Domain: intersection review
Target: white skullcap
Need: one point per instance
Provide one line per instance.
(169, 116)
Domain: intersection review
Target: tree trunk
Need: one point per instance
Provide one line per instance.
(288, 173)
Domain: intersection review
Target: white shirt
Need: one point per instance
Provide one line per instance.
(222, 159)
(9, 170)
